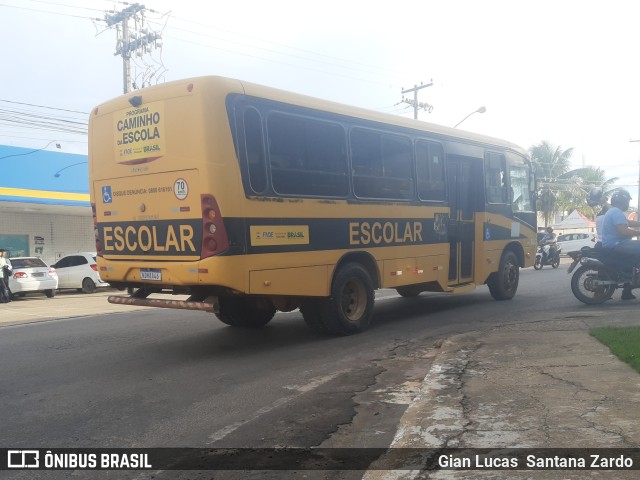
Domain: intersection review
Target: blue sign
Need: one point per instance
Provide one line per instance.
(106, 194)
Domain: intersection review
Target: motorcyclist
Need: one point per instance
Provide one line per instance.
(616, 234)
(550, 239)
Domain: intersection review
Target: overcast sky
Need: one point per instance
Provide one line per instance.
(566, 71)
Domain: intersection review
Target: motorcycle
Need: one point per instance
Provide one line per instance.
(543, 258)
(601, 272)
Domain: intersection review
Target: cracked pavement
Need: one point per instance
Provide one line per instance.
(546, 384)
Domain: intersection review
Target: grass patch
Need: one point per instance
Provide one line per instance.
(624, 343)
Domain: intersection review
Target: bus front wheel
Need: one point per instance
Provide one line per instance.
(244, 312)
(503, 284)
(349, 308)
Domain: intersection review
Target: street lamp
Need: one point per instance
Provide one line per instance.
(479, 110)
(57, 174)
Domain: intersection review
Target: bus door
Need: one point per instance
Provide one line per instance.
(460, 177)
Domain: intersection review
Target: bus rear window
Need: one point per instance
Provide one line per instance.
(255, 150)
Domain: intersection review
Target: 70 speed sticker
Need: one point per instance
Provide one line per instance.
(181, 189)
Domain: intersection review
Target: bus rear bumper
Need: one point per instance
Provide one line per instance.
(210, 304)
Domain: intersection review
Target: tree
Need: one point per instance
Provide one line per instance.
(561, 189)
(552, 165)
(590, 178)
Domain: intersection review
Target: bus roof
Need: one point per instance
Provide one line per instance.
(252, 89)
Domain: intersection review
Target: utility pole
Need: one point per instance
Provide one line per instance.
(130, 41)
(638, 214)
(416, 105)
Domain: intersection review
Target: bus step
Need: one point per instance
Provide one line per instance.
(467, 287)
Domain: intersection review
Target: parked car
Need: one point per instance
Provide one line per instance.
(79, 270)
(571, 242)
(32, 275)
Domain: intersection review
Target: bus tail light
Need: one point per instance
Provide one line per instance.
(214, 235)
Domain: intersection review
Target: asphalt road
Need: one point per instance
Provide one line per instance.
(167, 378)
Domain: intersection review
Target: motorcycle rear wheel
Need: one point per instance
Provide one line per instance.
(556, 262)
(583, 288)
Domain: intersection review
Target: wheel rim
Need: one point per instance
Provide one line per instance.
(510, 276)
(596, 292)
(354, 300)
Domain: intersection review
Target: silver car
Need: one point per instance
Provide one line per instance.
(32, 275)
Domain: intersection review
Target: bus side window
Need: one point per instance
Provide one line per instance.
(255, 150)
(307, 156)
(496, 178)
(430, 168)
(381, 165)
(519, 179)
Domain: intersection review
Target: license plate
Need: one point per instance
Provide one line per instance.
(150, 274)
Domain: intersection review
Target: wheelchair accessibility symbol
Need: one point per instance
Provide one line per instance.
(106, 194)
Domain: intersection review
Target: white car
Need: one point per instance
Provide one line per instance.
(572, 242)
(31, 274)
(79, 270)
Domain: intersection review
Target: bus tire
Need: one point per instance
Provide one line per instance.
(408, 292)
(310, 310)
(503, 284)
(244, 312)
(349, 308)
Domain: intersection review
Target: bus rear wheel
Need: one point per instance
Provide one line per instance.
(408, 292)
(349, 308)
(503, 284)
(244, 312)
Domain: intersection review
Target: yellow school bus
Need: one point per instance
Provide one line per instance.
(251, 200)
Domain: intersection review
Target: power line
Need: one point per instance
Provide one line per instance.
(62, 139)
(349, 66)
(45, 11)
(40, 117)
(65, 5)
(43, 106)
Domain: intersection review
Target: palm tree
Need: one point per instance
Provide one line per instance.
(552, 166)
(562, 189)
(590, 177)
